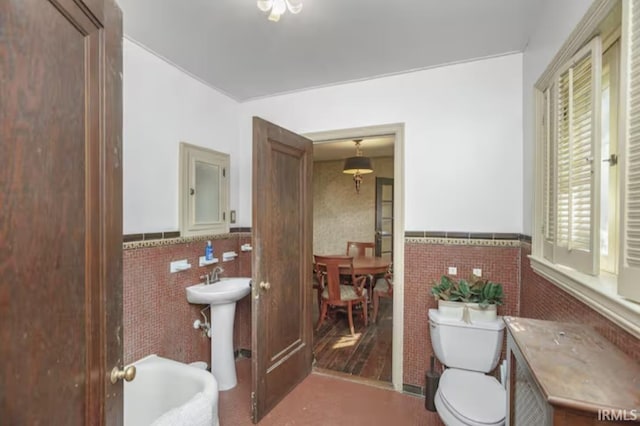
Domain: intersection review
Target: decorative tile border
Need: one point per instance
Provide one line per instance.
(485, 239)
(129, 238)
(464, 242)
(158, 242)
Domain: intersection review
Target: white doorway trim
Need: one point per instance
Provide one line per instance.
(396, 129)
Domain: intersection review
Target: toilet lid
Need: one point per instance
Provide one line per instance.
(474, 396)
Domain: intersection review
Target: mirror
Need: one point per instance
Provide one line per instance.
(207, 192)
(204, 191)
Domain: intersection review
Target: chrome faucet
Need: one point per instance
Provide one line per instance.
(215, 274)
(213, 277)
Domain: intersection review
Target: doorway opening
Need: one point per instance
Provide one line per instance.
(372, 215)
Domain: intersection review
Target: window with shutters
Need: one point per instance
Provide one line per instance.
(572, 133)
(587, 237)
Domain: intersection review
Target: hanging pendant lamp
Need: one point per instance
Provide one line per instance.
(357, 166)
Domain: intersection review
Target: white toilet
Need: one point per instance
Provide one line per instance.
(466, 395)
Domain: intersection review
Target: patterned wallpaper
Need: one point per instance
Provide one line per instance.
(339, 213)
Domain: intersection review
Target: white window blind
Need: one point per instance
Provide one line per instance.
(571, 236)
(629, 275)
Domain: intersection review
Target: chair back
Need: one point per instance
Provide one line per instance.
(329, 267)
(360, 249)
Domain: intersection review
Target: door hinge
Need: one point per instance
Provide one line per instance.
(224, 216)
(224, 172)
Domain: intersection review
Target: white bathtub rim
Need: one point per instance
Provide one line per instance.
(210, 388)
(203, 377)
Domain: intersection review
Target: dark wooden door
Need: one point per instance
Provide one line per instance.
(384, 218)
(282, 236)
(60, 211)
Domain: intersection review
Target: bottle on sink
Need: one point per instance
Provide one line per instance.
(208, 251)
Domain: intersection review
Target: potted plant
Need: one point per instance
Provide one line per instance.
(471, 300)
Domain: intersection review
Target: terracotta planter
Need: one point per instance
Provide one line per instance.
(467, 312)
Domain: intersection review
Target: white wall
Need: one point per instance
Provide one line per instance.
(162, 107)
(557, 20)
(463, 138)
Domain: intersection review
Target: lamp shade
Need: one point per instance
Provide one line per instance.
(357, 165)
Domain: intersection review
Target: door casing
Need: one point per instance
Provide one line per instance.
(396, 129)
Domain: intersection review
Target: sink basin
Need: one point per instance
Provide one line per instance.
(227, 290)
(222, 297)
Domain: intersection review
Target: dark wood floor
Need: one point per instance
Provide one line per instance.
(367, 354)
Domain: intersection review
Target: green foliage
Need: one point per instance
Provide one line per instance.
(475, 290)
(442, 291)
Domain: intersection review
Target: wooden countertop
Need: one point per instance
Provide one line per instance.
(576, 367)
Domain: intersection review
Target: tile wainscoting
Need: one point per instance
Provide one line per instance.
(426, 260)
(157, 317)
(542, 299)
(503, 258)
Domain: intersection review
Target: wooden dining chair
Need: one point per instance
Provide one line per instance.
(382, 288)
(362, 249)
(336, 294)
(359, 249)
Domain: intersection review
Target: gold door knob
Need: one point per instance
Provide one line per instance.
(265, 285)
(128, 374)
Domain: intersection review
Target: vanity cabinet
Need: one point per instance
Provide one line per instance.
(567, 374)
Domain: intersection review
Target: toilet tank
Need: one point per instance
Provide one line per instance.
(474, 346)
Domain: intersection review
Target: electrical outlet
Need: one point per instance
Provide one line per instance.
(453, 270)
(477, 272)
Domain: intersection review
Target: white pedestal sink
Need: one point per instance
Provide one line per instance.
(222, 296)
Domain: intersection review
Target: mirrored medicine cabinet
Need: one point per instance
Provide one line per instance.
(204, 191)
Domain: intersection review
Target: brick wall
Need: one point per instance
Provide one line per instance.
(541, 299)
(425, 263)
(157, 317)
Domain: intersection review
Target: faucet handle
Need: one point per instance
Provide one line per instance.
(205, 277)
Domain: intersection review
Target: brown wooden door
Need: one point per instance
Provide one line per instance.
(282, 237)
(384, 218)
(60, 211)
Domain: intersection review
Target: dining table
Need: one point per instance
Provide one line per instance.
(366, 265)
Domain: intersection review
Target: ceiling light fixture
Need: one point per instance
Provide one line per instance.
(357, 166)
(279, 7)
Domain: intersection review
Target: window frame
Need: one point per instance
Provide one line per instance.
(612, 48)
(598, 292)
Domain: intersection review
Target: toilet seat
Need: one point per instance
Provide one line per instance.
(473, 398)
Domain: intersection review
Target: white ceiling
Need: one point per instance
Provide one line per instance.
(230, 44)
